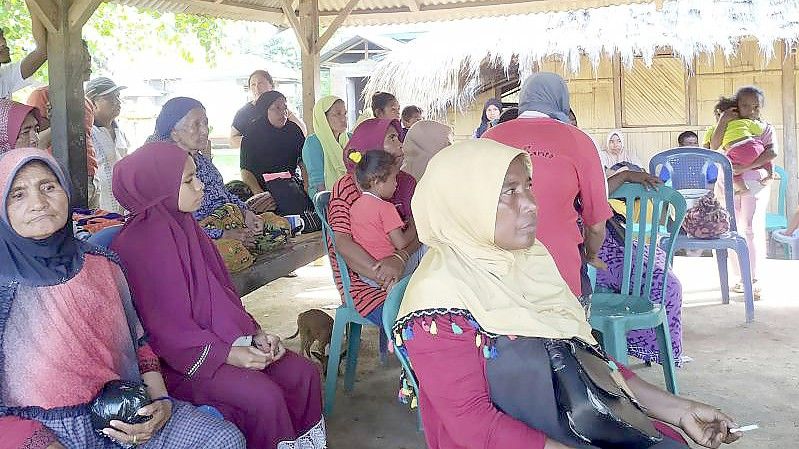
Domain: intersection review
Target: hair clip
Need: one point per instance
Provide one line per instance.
(356, 157)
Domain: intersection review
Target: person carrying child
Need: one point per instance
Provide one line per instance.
(376, 223)
(741, 138)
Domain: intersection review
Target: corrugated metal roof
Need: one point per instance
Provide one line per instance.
(374, 12)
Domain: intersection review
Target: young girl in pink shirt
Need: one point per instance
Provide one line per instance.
(376, 223)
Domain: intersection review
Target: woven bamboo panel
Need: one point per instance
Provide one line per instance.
(654, 95)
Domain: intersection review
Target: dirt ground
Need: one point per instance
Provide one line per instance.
(749, 371)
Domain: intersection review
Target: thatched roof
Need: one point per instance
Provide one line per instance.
(443, 68)
(370, 12)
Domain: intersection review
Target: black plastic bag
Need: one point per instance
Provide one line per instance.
(119, 400)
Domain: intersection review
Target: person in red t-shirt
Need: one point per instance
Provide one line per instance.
(376, 223)
(568, 175)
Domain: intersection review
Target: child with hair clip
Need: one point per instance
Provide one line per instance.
(376, 223)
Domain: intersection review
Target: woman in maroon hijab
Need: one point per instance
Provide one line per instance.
(18, 125)
(372, 134)
(213, 351)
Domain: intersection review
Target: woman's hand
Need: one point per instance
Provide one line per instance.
(253, 222)
(270, 344)
(245, 236)
(650, 182)
(261, 203)
(159, 411)
(249, 357)
(388, 270)
(708, 426)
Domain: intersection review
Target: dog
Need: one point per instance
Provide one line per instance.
(315, 326)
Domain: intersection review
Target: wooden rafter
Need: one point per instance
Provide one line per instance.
(81, 10)
(291, 16)
(342, 16)
(47, 12)
(413, 5)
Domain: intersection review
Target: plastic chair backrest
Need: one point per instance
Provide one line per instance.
(688, 169)
(321, 201)
(392, 305)
(664, 201)
(783, 189)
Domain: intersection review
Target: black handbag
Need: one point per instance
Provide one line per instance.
(594, 406)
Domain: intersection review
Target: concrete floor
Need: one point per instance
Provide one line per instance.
(749, 371)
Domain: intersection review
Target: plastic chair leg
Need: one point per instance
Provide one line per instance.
(667, 354)
(383, 348)
(724, 279)
(336, 341)
(614, 340)
(746, 274)
(352, 356)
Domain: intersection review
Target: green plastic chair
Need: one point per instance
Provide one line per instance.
(780, 219)
(390, 310)
(347, 317)
(615, 314)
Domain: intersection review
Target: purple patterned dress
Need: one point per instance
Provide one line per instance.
(643, 343)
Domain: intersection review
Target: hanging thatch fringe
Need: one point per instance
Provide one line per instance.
(442, 68)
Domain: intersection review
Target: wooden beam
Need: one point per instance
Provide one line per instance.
(692, 95)
(295, 25)
(67, 102)
(789, 124)
(413, 5)
(81, 11)
(342, 16)
(617, 103)
(311, 81)
(47, 12)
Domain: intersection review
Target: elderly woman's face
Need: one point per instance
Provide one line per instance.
(337, 117)
(493, 113)
(28, 133)
(392, 144)
(191, 132)
(516, 210)
(37, 205)
(278, 113)
(614, 144)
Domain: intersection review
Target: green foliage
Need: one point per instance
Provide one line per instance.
(115, 28)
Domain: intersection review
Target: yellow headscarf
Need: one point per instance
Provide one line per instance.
(332, 149)
(508, 292)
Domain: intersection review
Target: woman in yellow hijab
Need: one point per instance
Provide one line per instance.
(483, 286)
(323, 151)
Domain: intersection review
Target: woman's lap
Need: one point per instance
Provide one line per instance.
(187, 428)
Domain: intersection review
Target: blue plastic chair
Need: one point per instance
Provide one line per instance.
(347, 317)
(615, 314)
(390, 310)
(688, 167)
(780, 219)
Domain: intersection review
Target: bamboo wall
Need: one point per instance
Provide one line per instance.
(655, 104)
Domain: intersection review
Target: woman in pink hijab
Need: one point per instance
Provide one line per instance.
(372, 134)
(213, 351)
(18, 125)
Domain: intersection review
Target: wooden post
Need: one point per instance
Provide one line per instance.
(617, 103)
(311, 81)
(692, 94)
(789, 125)
(66, 73)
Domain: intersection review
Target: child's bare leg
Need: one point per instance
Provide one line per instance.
(739, 186)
